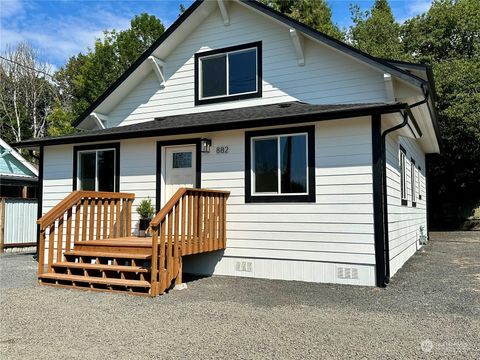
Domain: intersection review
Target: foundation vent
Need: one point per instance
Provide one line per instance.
(347, 273)
(245, 266)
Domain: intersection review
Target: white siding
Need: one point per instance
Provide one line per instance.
(404, 222)
(327, 77)
(304, 241)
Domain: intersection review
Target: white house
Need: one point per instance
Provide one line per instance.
(321, 146)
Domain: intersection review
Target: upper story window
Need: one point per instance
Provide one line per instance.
(280, 165)
(96, 167)
(403, 175)
(232, 73)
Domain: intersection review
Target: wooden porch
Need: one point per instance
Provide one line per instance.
(87, 244)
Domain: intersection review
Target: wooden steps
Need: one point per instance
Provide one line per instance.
(101, 267)
(100, 254)
(95, 280)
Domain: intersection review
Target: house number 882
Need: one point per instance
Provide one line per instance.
(222, 150)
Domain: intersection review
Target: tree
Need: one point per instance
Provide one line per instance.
(448, 37)
(314, 13)
(86, 76)
(376, 32)
(26, 93)
(449, 30)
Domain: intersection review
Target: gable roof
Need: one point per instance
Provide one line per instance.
(266, 10)
(237, 118)
(6, 150)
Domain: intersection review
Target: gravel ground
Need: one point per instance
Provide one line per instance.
(431, 309)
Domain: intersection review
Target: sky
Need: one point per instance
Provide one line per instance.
(59, 29)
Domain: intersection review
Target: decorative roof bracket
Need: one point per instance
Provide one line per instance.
(158, 67)
(297, 40)
(224, 11)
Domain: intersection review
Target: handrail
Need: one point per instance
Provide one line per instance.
(192, 221)
(174, 199)
(73, 198)
(83, 216)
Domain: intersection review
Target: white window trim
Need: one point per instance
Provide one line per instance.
(279, 180)
(403, 175)
(227, 95)
(79, 163)
(413, 180)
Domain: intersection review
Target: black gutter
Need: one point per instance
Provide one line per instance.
(105, 135)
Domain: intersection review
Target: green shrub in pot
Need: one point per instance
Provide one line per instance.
(146, 211)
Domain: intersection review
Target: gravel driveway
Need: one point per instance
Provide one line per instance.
(431, 309)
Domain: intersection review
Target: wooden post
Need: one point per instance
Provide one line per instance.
(41, 251)
(51, 245)
(84, 219)
(224, 235)
(105, 218)
(91, 224)
(154, 265)
(178, 280)
(2, 223)
(24, 192)
(175, 240)
(161, 266)
(60, 239)
(184, 220)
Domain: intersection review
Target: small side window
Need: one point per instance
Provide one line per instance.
(403, 175)
(413, 182)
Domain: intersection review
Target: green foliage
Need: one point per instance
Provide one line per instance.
(86, 76)
(448, 37)
(376, 32)
(145, 209)
(449, 30)
(314, 13)
(59, 121)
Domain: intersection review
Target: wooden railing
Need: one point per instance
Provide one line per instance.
(83, 216)
(192, 221)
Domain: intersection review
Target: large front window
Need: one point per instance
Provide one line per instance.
(280, 166)
(228, 74)
(96, 169)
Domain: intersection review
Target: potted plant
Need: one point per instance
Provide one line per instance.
(146, 211)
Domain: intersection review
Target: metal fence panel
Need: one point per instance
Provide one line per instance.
(20, 225)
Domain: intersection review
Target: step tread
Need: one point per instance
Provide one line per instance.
(131, 241)
(73, 265)
(107, 254)
(95, 280)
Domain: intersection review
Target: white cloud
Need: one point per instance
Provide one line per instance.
(58, 37)
(417, 7)
(10, 7)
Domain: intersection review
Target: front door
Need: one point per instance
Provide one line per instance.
(180, 169)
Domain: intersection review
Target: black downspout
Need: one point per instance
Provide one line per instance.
(377, 179)
(385, 195)
(39, 197)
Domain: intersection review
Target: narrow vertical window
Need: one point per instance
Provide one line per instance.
(419, 175)
(403, 176)
(413, 182)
